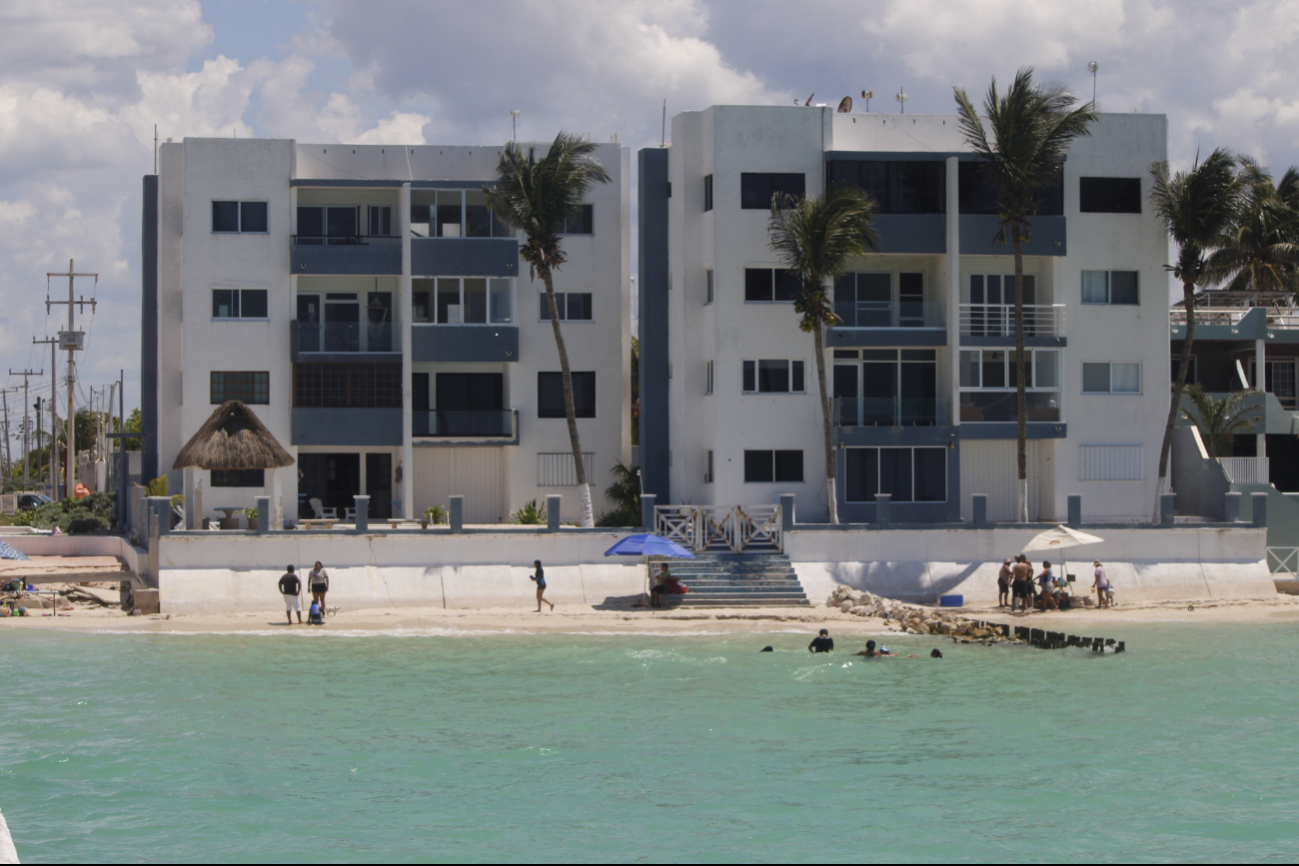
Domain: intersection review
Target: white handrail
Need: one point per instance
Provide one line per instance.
(698, 527)
(998, 320)
(1246, 470)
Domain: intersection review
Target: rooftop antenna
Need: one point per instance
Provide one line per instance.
(809, 101)
(1092, 67)
(845, 105)
(868, 95)
(902, 100)
(514, 124)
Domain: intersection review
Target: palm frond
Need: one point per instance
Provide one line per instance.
(1219, 420)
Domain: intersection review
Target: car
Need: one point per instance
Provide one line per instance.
(32, 501)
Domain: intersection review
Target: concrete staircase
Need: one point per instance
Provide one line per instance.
(734, 580)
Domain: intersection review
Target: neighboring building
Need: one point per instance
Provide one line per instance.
(921, 363)
(378, 319)
(1236, 334)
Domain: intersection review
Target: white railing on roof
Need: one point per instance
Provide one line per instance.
(998, 320)
(1246, 470)
(1209, 317)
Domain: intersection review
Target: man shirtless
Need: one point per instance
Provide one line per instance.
(1022, 577)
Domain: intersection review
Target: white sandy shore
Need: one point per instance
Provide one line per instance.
(575, 619)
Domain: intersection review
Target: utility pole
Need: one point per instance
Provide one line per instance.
(9, 461)
(38, 435)
(27, 441)
(54, 413)
(72, 340)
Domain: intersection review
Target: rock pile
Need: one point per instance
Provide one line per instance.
(913, 618)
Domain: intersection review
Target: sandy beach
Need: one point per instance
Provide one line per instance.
(581, 619)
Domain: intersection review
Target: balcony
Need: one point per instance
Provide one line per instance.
(459, 257)
(884, 323)
(345, 256)
(1001, 406)
(488, 426)
(994, 324)
(350, 340)
(892, 412)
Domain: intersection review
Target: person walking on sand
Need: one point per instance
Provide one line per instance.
(290, 588)
(1102, 585)
(318, 580)
(1003, 584)
(1046, 585)
(540, 579)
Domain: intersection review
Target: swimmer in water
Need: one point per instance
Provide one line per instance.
(822, 643)
(872, 653)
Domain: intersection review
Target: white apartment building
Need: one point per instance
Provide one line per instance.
(373, 313)
(921, 364)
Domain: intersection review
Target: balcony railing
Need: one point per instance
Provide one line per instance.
(891, 412)
(347, 337)
(1209, 317)
(979, 406)
(1246, 470)
(467, 424)
(345, 240)
(886, 314)
(998, 320)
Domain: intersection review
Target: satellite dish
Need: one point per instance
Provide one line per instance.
(809, 101)
(845, 105)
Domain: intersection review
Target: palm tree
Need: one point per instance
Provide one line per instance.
(1219, 420)
(1032, 128)
(815, 238)
(1198, 207)
(536, 196)
(1261, 250)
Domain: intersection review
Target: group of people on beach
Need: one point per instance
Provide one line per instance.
(1018, 589)
(291, 588)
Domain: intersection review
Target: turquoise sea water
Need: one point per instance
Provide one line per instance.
(320, 747)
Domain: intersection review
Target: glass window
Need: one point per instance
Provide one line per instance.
(252, 216)
(1095, 287)
(380, 221)
(750, 376)
(757, 190)
(1109, 287)
(758, 284)
(708, 286)
(253, 303)
(1109, 194)
(970, 365)
(1123, 287)
(789, 467)
(225, 216)
(895, 473)
(238, 478)
(447, 214)
(931, 474)
(862, 474)
(759, 467)
(994, 369)
(773, 377)
(1046, 370)
(501, 301)
(448, 301)
(239, 304)
(708, 192)
(796, 376)
(225, 303)
(1125, 377)
(1096, 378)
(786, 285)
(581, 222)
(475, 301)
(579, 306)
(478, 222)
(246, 387)
(550, 395)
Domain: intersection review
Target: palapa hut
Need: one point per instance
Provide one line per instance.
(232, 438)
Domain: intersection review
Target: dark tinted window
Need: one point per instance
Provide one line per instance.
(247, 387)
(550, 395)
(862, 474)
(1109, 194)
(311, 222)
(789, 466)
(225, 216)
(786, 285)
(347, 386)
(757, 284)
(470, 392)
(1123, 287)
(978, 193)
(750, 376)
(756, 190)
(708, 192)
(901, 187)
(580, 223)
(225, 303)
(252, 216)
(253, 305)
(931, 474)
(579, 306)
(759, 467)
(238, 478)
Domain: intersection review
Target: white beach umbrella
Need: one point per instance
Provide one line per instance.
(1058, 538)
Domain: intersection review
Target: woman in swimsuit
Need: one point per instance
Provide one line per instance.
(540, 579)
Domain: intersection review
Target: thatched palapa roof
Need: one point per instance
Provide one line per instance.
(233, 438)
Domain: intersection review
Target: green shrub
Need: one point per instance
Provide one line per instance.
(83, 522)
(437, 514)
(531, 514)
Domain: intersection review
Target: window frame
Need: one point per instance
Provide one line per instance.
(1098, 200)
(1109, 289)
(223, 477)
(1110, 371)
(773, 299)
(253, 386)
(749, 178)
(239, 217)
(756, 372)
(1008, 364)
(913, 500)
(708, 193)
(543, 411)
(562, 302)
(708, 287)
(432, 303)
(241, 305)
(587, 221)
(775, 465)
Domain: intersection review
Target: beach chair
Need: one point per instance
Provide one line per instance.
(322, 513)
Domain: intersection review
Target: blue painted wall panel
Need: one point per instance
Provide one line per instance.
(346, 427)
(347, 259)
(464, 343)
(464, 257)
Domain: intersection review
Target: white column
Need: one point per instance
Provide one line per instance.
(1260, 384)
(954, 286)
(407, 448)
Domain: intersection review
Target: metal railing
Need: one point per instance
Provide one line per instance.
(347, 336)
(1209, 317)
(998, 320)
(1246, 470)
(886, 314)
(468, 424)
(1283, 560)
(892, 412)
(736, 528)
(344, 240)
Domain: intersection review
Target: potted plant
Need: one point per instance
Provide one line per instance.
(250, 514)
(435, 515)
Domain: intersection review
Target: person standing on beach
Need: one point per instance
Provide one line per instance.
(1102, 585)
(290, 588)
(540, 579)
(318, 580)
(1046, 585)
(1021, 584)
(1003, 584)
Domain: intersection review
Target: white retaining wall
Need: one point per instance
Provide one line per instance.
(79, 545)
(1184, 562)
(206, 574)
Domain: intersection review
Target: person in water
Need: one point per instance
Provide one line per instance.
(540, 579)
(872, 653)
(822, 643)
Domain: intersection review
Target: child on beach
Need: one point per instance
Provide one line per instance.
(540, 579)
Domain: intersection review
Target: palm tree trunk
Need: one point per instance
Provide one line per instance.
(1188, 295)
(1021, 385)
(827, 423)
(570, 409)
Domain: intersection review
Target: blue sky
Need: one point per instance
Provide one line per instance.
(82, 83)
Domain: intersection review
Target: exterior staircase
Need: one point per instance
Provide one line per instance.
(734, 580)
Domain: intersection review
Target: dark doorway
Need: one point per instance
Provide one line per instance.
(332, 478)
(378, 484)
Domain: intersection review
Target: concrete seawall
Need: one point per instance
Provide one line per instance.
(1183, 562)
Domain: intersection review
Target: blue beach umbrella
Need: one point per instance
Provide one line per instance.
(8, 552)
(648, 545)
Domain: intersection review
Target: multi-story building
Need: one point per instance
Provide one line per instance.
(921, 361)
(378, 319)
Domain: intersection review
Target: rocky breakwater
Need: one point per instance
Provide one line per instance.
(915, 619)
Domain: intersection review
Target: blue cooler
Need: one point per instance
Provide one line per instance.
(951, 600)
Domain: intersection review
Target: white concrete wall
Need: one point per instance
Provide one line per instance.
(79, 545)
(479, 570)
(1144, 564)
